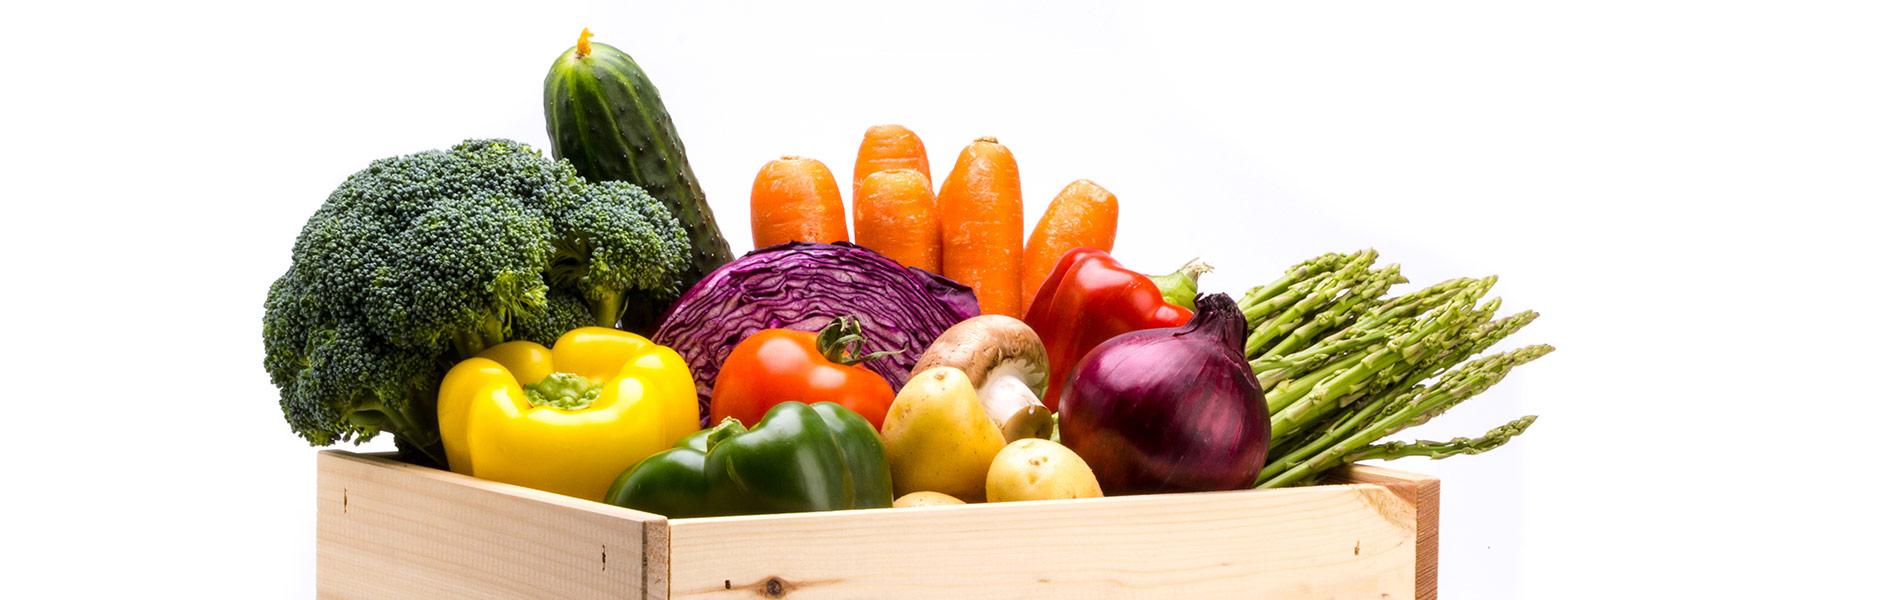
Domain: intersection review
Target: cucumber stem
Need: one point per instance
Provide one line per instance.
(583, 48)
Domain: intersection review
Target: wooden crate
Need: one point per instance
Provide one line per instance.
(391, 530)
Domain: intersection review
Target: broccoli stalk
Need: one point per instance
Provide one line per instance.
(472, 341)
(412, 423)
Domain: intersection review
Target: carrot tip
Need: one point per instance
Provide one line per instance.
(791, 157)
(988, 138)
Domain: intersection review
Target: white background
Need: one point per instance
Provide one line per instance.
(1697, 197)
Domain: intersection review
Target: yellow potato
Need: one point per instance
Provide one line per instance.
(926, 498)
(937, 437)
(1038, 469)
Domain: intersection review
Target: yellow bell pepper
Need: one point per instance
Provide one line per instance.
(567, 420)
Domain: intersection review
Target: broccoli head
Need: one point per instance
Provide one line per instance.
(420, 261)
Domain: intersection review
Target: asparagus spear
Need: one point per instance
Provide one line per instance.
(1489, 441)
(1289, 391)
(1351, 268)
(1340, 429)
(1392, 323)
(1475, 342)
(1342, 368)
(1271, 370)
(1423, 301)
(1331, 300)
(1426, 365)
(1293, 446)
(1324, 263)
(1340, 314)
(1455, 387)
(1426, 340)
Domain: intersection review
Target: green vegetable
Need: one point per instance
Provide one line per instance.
(565, 391)
(1349, 442)
(1180, 287)
(420, 261)
(1342, 368)
(800, 457)
(606, 118)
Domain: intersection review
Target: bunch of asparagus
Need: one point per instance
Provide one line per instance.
(1343, 367)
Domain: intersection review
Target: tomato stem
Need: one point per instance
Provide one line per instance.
(842, 341)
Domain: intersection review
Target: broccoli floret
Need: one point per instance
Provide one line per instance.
(340, 382)
(565, 312)
(619, 240)
(463, 268)
(423, 260)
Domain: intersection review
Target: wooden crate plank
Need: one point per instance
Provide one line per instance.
(1342, 541)
(1420, 491)
(391, 530)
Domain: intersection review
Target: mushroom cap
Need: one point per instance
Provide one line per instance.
(981, 343)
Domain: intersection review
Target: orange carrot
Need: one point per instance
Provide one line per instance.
(896, 215)
(795, 199)
(981, 204)
(887, 147)
(1083, 215)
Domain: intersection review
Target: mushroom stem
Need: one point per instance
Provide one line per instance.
(1013, 405)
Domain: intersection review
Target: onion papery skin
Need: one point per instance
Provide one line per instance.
(1170, 410)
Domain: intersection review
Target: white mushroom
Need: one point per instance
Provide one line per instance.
(1006, 362)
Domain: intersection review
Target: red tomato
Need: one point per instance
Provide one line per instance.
(777, 365)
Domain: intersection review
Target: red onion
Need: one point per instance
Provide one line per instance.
(1170, 410)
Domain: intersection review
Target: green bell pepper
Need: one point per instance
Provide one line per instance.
(799, 458)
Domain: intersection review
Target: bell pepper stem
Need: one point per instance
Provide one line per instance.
(565, 391)
(724, 431)
(1180, 287)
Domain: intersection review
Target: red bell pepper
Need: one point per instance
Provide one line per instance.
(1088, 298)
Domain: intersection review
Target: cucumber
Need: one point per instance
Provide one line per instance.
(605, 117)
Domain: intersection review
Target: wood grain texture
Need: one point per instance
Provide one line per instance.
(391, 530)
(1340, 541)
(1420, 491)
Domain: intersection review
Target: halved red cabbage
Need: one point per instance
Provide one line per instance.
(802, 286)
